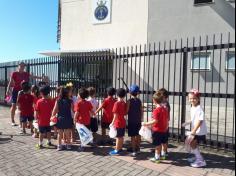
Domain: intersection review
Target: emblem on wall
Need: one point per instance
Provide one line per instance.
(101, 11)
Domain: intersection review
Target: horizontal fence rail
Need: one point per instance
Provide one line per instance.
(206, 63)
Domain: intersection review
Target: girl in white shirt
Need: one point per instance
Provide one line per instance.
(199, 129)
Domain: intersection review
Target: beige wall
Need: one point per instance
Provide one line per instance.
(128, 25)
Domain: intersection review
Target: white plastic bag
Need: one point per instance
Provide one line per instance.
(188, 141)
(146, 133)
(84, 134)
(35, 125)
(17, 114)
(112, 132)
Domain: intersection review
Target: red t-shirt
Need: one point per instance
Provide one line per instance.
(160, 114)
(26, 102)
(120, 109)
(83, 107)
(18, 78)
(107, 106)
(44, 108)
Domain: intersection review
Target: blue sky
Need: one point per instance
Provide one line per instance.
(27, 27)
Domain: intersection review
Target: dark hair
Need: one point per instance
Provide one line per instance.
(111, 91)
(42, 83)
(83, 93)
(121, 93)
(164, 92)
(134, 94)
(64, 93)
(158, 97)
(35, 90)
(92, 91)
(45, 90)
(25, 86)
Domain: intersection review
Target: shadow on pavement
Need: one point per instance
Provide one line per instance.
(212, 160)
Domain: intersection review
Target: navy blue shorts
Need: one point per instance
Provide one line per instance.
(94, 125)
(25, 119)
(120, 132)
(159, 138)
(14, 96)
(200, 139)
(44, 130)
(133, 129)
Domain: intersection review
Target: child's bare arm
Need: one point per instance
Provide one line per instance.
(99, 109)
(186, 123)
(142, 118)
(114, 118)
(127, 107)
(55, 109)
(76, 116)
(194, 130)
(150, 123)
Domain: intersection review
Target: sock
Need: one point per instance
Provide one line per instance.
(157, 156)
(163, 153)
(197, 154)
(40, 142)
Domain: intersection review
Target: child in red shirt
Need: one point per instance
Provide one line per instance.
(159, 126)
(119, 110)
(36, 94)
(44, 109)
(25, 103)
(107, 107)
(83, 109)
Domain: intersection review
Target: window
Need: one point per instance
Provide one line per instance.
(201, 61)
(196, 2)
(230, 61)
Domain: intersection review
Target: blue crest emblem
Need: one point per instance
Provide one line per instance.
(101, 11)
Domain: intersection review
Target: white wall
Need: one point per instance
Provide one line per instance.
(175, 19)
(128, 25)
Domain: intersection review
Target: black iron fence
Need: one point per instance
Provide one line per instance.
(206, 63)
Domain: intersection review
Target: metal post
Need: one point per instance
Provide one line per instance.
(6, 79)
(59, 71)
(184, 90)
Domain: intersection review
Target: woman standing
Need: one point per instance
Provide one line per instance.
(15, 81)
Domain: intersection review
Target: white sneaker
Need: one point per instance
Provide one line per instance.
(198, 164)
(191, 159)
(13, 124)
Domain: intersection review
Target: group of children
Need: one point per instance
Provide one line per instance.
(68, 110)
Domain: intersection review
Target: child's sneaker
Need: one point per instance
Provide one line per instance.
(48, 144)
(39, 146)
(134, 154)
(191, 159)
(14, 124)
(154, 160)
(164, 157)
(23, 132)
(68, 147)
(59, 148)
(138, 151)
(114, 153)
(80, 149)
(198, 163)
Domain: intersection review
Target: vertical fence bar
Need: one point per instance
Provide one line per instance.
(184, 89)
(174, 76)
(135, 66)
(164, 63)
(153, 69)
(212, 89)
(140, 60)
(219, 91)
